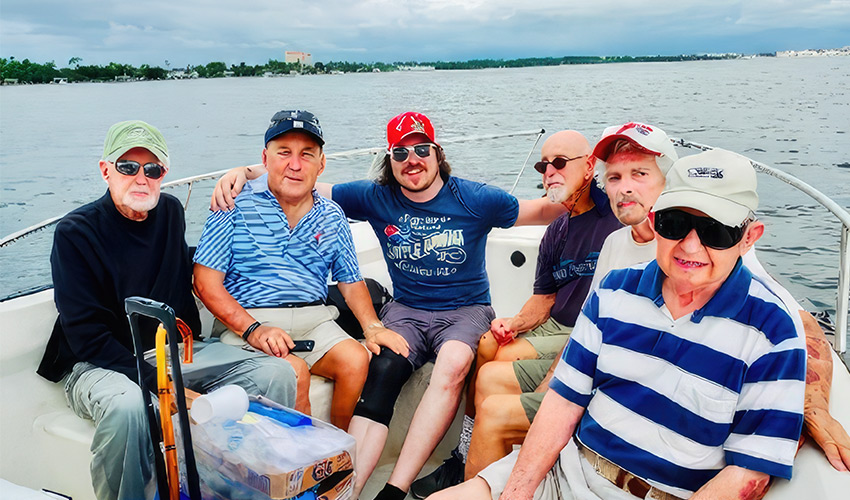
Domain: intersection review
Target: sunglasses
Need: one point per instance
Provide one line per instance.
(130, 167)
(559, 163)
(676, 225)
(401, 153)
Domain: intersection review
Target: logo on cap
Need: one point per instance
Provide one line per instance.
(138, 133)
(639, 128)
(706, 172)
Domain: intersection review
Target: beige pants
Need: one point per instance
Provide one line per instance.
(314, 323)
(572, 477)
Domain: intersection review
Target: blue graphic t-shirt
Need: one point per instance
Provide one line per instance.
(568, 253)
(434, 250)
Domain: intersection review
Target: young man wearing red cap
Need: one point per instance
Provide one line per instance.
(433, 229)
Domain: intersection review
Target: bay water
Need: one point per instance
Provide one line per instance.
(793, 114)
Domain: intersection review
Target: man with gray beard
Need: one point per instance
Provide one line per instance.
(130, 242)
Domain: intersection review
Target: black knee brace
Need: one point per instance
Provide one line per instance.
(387, 374)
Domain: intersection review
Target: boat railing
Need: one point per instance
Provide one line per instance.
(843, 296)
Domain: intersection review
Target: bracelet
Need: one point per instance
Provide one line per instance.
(376, 324)
(250, 330)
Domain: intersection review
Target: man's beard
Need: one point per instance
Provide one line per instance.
(557, 194)
(145, 205)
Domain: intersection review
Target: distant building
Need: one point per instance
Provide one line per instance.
(304, 58)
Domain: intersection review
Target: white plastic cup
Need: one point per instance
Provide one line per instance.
(229, 402)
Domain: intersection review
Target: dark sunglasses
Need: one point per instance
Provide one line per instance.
(559, 163)
(130, 167)
(401, 153)
(676, 224)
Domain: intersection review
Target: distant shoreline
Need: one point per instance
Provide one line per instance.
(13, 71)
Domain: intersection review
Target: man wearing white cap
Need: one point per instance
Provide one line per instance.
(130, 243)
(634, 166)
(684, 376)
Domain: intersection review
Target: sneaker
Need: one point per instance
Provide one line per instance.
(444, 476)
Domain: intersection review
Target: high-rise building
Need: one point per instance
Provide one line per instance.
(303, 57)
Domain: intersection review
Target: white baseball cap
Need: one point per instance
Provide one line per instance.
(647, 138)
(720, 183)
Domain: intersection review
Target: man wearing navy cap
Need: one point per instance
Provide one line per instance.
(262, 268)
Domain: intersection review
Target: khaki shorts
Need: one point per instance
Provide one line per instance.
(314, 323)
(529, 373)
(548, 339)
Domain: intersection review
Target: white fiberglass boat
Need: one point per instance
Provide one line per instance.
(44, 445)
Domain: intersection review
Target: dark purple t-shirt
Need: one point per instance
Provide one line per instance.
(568, 253)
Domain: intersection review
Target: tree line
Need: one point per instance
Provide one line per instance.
(26, 71)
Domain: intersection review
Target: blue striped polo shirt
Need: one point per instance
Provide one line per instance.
(675, 401)
(265, 263)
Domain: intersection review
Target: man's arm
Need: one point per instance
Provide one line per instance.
(231, 183)
(544, 384)
(539, 211)
(825, 430)
(551, 430)
(734, 483)
(534, 313)
(357, 297)
(209, 286)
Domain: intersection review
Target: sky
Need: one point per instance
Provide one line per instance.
(185, 32)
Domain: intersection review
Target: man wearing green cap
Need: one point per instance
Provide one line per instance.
(130, 243)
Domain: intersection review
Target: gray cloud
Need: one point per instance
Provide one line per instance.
(195, 31)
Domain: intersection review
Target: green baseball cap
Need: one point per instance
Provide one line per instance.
(124, 136)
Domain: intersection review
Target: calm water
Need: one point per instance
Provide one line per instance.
(792, 114)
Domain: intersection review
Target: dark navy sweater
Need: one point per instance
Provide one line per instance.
(99, 258)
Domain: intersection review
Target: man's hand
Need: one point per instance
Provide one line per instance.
(271, 340)
(503, 331)
(377, 337)
(227, 188)
(830, 436)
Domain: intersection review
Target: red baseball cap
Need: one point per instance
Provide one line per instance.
(408, 123)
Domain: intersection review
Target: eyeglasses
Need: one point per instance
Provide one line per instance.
(130, 167)
(401, 153)
(676, 224)
(559, 163)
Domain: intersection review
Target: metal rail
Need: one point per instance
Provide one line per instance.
(842, 301)
(190, 181)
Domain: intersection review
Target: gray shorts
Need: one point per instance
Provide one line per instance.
(427, 331)
(548, 339)
(529, 373)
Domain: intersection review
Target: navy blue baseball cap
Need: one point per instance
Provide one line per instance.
(284, 121)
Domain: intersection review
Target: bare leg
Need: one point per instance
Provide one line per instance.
(487, 349)
(302, 375)
(501, 423)
(347, 364)
(495, 378)
(371, 438)
(435, 412)
(474, 489)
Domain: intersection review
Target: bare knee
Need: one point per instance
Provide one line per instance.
(452, 366)
(492, 415)
(487, 347)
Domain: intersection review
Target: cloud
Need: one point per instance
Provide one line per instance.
(195, 31)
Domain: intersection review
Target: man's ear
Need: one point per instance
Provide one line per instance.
(591, 166)
(755, 230)
(323, 161)
(104, 169)
(265, 157)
